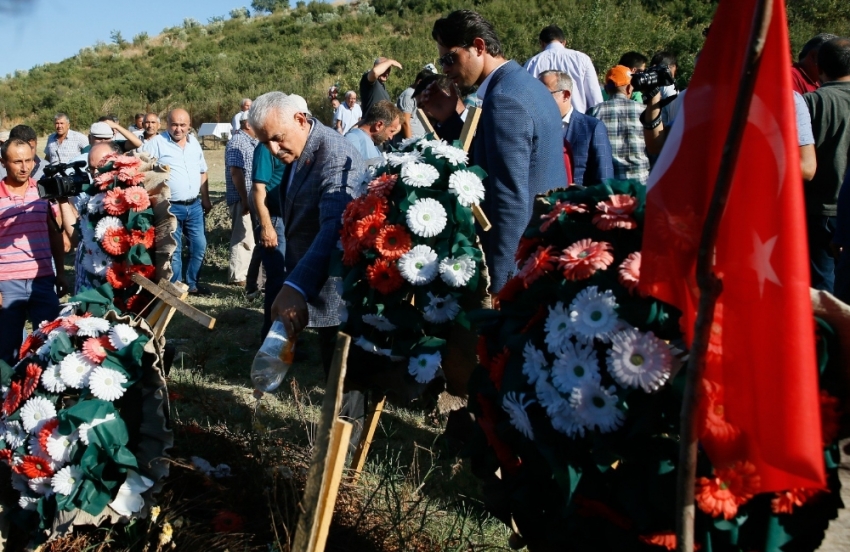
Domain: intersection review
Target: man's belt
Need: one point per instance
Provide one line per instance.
(187, 202)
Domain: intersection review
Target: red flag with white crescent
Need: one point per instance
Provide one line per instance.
(761, 375)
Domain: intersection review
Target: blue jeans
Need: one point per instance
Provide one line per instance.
(273, 262)
(821, 231)
(190, 221)
(35, 300)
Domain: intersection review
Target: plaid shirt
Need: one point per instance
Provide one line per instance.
(239, 153)
(71, 147)
(621, 116)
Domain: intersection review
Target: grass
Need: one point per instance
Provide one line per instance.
(411, 497)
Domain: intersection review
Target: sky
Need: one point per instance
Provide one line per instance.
(48, 31)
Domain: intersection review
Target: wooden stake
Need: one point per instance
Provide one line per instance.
(709, 285)
(473, 114)
(359, 458)
(426, 124)
(340, 437)
(166, 296)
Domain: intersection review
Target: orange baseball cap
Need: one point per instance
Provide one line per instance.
(620, 75)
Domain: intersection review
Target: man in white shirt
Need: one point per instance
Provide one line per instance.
(348, 114)
(244, 105)
(554, 56)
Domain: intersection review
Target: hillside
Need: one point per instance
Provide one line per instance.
(208, 68)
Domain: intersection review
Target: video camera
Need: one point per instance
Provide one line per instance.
(57, 183)
(652, 78)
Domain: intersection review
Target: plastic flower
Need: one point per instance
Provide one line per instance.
(457, 272)
(419, 266)
(125, 161)
(383, 185)
(467, 187)
(440, 308)
(46, 327)
(41, 486)
(638, 359)
(75, 370)
(426, 217)
(13, 398)
(378, 321)
(31, 343)
(593, 314)
(96, 261)
(106, 384)
(384, 276)
(524, 249)
(538, 263)
(729, 488)
(146, 238)
(396, 159)
(369, 205)
(51, 378)
(91, 326)
(105, 224)
(496, 368)
(392, 241)
(28, 502)
(31, 375)
(596, 407)
(424, 367)
(565, 421)
(36, 412)
(667, 539)
(116, 241)
(629, 272)
(129, 499)
(137, 198)
(453, 155)
(534, 363)
(425, 144)
(15, 435)
(94, 205)
(94, 350)
(367, 228)
(557, 210)
(583, 258)
(131, 177)
(615, 212)
(114, 202)
(558, 328)
(515, 406)
(419, 175)
(711, 414)
(576, 365)
(59, 446)
(226, 521)
(122, 335)
(830, 416)
(34, 467)
(66, 480)
(785, 501)
(85, 427)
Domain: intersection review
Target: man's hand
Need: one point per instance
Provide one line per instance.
(268, 236)
(835, 249)
(61, 285)
(206, 205)
(290, 307)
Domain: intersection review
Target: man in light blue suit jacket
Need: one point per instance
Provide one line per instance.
(587, 136)
(518, 141)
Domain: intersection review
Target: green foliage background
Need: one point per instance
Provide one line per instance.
(208, 68)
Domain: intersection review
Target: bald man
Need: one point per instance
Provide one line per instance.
(182, 152)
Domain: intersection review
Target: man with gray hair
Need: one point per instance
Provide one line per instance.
(348, 114)
(150, 126)
(805, 74)
(244, 105)
(64, 144)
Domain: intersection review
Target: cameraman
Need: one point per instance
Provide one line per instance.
(27, 134)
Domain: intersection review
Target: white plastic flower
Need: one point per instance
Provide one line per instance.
(425, 144)
(44, 350)
(567, 422)
(15, 434)
(84, 428)
(379, 321)
(129, 499)
(28, 502)
(440, 308)
(122, 335)
(51, 378)
(535, 362)
(515, 406)
(59, 447)
(596, 407)
(457, 272)
(105, 224)
(593, 314)
(419, 266)
(396, 159)
(575, 365)
(66, 480)
(36, 412)
(34, 447)
(91, 326)
(453, 155)
(75, 370)
(549, 397)
(426, 217)
(424, 367)
(96, 261)
(558, 328)
(41, 485)
(95, 203)
(638, 359)
(467, 187)
(87, 231)
(366, 345)
(407, 142)
(419, 175)
(106, 384)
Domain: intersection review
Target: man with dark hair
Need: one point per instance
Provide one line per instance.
(410, 125)
(518, 142)
(380, 124)
(669, 60)
(829, 107)
(373, 83)
(64, 144)
(635, 61)
(439, 98)
(805, 74)
(554, 56)
(138, 120)
(28, 135)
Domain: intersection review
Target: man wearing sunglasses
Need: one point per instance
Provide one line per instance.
(373, 83)
(519, 139)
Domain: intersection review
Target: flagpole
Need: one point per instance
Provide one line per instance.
(709, 285)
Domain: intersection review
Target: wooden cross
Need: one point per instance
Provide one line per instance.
(169, 298)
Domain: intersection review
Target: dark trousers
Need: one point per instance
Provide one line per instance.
(275, 267)
(842, 276)
(821, 231)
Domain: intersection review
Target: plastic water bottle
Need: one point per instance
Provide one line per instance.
(273, 360)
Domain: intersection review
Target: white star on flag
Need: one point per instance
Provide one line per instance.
(762, 252)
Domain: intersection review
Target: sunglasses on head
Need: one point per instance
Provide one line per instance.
(448, 59)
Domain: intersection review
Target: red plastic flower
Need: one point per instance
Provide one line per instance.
(729, 488)
(93, 350)
(557, 209)
(524, 249)
(30, 344)
(6, 455)
(583, 258)
(786, 501)
(616, 212)
(146, 239)
(31, 376)
(116, 241)
(69, 324)
(130, 177)
(13, 398)
(104, 180)
(384, 276)
(350, 251)
(367, 228)
(538, 263)
(114, 202)
(46, 431)
(496, 369)
(667, 539)
(715, 430)
(137, 303)
(137, 198)
(227, 522)
(371, 205)
(392, 241)
(46, 327)
(510, 290)
(629, 272)
(830, 416)
(147, 271)
(118, 276)
(383, 185)
(122, 161)
(34, 467)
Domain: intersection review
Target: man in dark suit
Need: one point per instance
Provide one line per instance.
(585, 137)
(322, 168)
(518, 141)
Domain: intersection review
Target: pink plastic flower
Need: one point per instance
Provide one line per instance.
(629, 272)
(583, 258)
(137, 198)
(557, 209)
(615, 212)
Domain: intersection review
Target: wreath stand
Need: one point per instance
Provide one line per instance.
(168, 299)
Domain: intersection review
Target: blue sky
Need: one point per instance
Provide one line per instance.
(47, 31)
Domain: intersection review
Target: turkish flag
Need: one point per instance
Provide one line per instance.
(760, 392)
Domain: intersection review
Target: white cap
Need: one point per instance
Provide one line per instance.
(302, 103)
(101, 130)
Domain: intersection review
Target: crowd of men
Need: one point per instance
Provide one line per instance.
(543, 125)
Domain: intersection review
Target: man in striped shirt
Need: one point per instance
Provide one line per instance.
(30, 245)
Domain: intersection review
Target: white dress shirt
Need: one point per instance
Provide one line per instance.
(577, 65)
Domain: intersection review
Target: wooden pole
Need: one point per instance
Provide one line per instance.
(362, 450)
(709, 285)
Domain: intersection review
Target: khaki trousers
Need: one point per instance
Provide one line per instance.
(241, 243)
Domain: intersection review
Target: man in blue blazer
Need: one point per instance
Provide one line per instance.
(518, 141)
(587, 136)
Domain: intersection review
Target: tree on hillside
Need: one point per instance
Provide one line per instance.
(268, 6)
